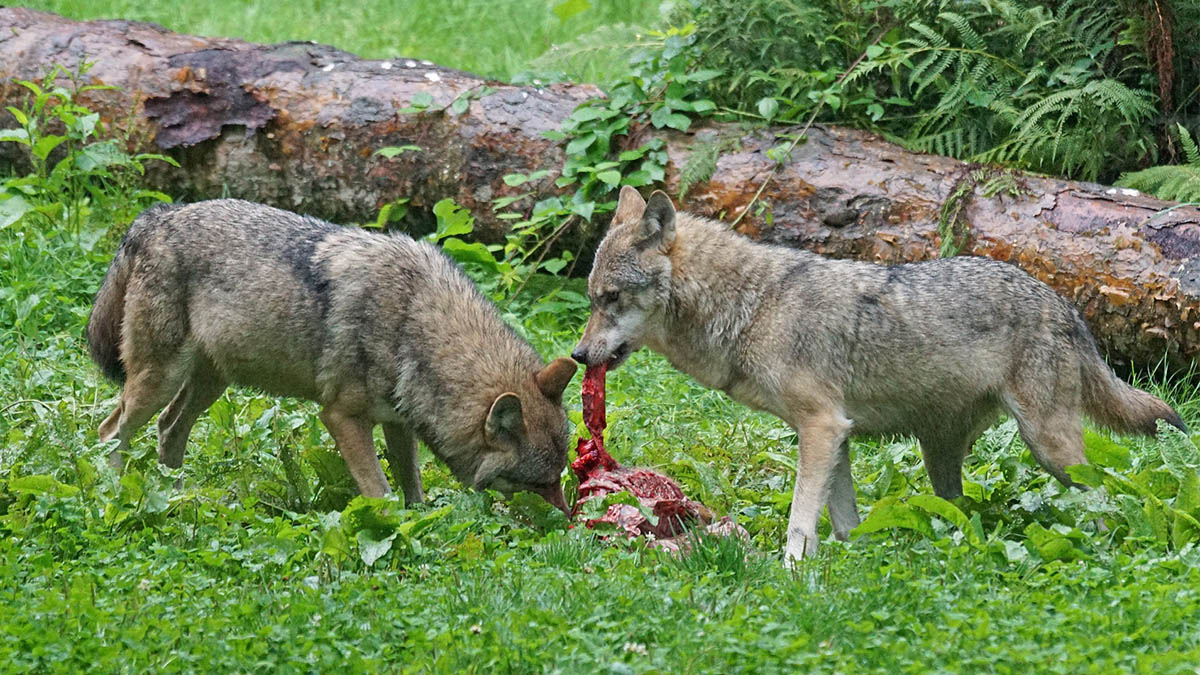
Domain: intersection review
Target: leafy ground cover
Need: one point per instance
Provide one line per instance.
(265, 560)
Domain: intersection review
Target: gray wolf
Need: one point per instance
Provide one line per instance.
(377, 328)
(836, 348)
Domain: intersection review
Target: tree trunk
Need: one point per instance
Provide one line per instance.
(296, 125)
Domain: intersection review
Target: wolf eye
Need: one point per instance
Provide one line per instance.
(609, 298)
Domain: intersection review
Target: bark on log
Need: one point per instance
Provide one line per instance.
(296, 125)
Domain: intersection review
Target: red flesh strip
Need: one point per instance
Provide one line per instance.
(600, 475)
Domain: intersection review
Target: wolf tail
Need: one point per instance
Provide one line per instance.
(1111, 402)
(108, 311)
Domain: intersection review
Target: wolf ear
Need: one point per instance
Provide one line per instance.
(658, 221)
(629, 206)
(553, 379)
(505, 419)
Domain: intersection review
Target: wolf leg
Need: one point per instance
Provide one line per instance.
(352, 434)
(145, 393)
(1056, 442)
(404, 461)
(944, 448)
(843, 511)
(821, 436)
(1051, 424)
(202, 389)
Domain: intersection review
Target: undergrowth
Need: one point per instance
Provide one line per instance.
(266, 545)
(1081, 89)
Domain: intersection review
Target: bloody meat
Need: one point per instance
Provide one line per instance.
(600, 475)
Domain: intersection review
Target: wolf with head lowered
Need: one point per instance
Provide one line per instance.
(836, 348)
(377, 328)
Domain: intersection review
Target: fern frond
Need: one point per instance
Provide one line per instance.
(1179, 183)
(965, 31)
(700, 164)
(1189, 146)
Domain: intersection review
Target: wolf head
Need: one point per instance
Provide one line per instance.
(630, 281)
(526, 436)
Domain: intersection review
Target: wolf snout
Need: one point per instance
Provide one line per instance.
(580, 354)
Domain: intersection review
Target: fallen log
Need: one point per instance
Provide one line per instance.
(296, 125)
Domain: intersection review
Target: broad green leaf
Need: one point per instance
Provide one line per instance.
(580, 144)
(1086, 474)
(890, 513)
(42, 484)
(554, 265)
(473, 252)
(46, 144)
(1103, 451)
(658, 116)
(1188, 497)
(1052, 545)
(1179, 453)
(19, 115)
(609, 177)
(584, 209)
(946, 510)
(538, 511)
(637, 178)
(703, 75)
(452, 219)
(1135, 516)
(429, 519)
(13, 209)
(372, 546)
(589, 113)
(99, 156)
(15, 136)
(678, 121)
(569, 8)
(636, 153)
(768, 107)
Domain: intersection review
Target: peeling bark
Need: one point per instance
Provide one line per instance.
(296, 125)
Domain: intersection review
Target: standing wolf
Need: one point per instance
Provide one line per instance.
(379, 329)
(935, 349)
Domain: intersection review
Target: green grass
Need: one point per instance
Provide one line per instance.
(130, 574)
(260, 560)
(494, 38)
